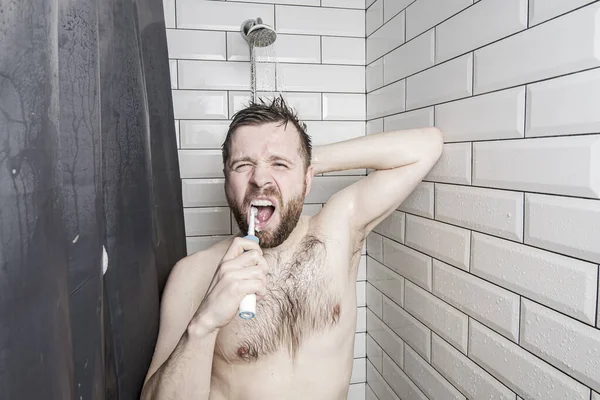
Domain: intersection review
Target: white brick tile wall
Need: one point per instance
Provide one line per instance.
(220, 15)
(198, 243)
(479, 25)
(202, 134)
(533, 54)
(360, 345)
(197, 104)
(370, 395)
(385, 338)
(203, 192)
(519, 370)
(375, 353)
(207, 221)
(359, 4)
(169, 10)
(321, 78)
(497, 212)
(359, 370)
(173, 71)
(449, 81)
(424, 14)
(409, 58)
(356, 391)
(320, 21)
(492, 305)
(324, 132)
(409, 120)
(342, 106)
(469, 378)
(287, 48)
(498, 115)
(393, 226)
(407, 262)
(513, 203)
(200, 164)
(561, 165)
(410, 330)
(193, 44)
(563, 283)
(565, 225)
(431, 382)
(381, 390)
(341, 50)
(564, 342)
(440, 317)
(564, 106)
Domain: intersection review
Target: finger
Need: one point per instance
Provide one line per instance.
(248, 273)
(245, 287)
(239, 246)
(247, 259)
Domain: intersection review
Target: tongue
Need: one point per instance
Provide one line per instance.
(264, 213)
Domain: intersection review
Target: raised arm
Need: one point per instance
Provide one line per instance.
(401, 160)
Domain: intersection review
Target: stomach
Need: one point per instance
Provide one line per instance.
(321, 370)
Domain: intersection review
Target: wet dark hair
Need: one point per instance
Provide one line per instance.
(259, 113)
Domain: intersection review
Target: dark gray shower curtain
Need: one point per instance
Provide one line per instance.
(88, 161)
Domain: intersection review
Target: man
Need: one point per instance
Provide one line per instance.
(300, 343)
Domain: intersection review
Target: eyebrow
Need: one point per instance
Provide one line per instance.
(271, 159)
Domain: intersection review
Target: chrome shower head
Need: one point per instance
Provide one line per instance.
(258, 34)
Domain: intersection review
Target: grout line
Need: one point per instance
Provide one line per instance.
(468, 335)
(175, 9)
(519, 320)
(598, 301)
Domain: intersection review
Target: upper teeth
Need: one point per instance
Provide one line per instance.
(262, 203)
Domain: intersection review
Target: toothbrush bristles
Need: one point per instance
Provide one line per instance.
(253, 212)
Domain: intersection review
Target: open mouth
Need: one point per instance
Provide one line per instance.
(265, 209)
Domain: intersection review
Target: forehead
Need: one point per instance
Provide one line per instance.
(269, 138)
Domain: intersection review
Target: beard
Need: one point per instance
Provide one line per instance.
(289, 214)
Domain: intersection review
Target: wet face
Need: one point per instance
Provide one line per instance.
(266, 169)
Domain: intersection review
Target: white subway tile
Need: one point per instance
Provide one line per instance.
(392, 226)
(356, 391)
(342, 50)
(543, 10)
(407, 262)
(386, 38)
(370, 395)
(498, 115)
(497, 212)
(214, 75)
(420, 201)
(440, 317)
(565, 343)
(381, 390)
(375, 353)
(200, 163)
(557, 165)
(410, 58)
(387, 100)
(323, 187)
(431, 382)
(320, 21)
(344, 106)
(362, 266)
(519, 370)
(374, 300)
(199, 45)
(375, 126)
(307, 105)
(321, 78)
(361, 294)
(454, 166)
(385, 280)
(374, 75)
(446, 242)
(385, 338)
(177, 134)
(238, 101)
(375, 246)
(169, 10)
(198, 104)
(496, 307)
(595, 396)
(360, 345)
(358, 4)
(287, 49)
(410, 120)
(449, 81)
(472, 380)
(532, 54)
(374, 17)
(424, 14)
(325, 132)
(359, 370)
(479, 25)
(399, 381)
(410, 330)
(564, 106)
(393, 7)
(287, 2)
(173, 73)
(361, 319)
(203, 134)
(203, 192)
(565, 284)
(207, 221)
(566, 225)
(199, 243)
(220, 15)
(368, 3)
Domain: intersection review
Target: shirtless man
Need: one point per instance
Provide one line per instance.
(300, 343)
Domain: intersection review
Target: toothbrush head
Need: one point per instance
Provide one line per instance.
(251, 223)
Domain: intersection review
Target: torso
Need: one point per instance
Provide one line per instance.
(300, 343)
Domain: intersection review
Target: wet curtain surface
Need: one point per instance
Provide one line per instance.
(88, 161)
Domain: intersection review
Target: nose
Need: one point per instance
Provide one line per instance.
(261, 176)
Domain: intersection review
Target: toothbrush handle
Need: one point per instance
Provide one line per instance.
(247, 308)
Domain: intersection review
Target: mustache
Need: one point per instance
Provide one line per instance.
(253, 192)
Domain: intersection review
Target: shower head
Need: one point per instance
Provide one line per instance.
(258, 34)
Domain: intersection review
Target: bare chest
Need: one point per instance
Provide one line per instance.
(303, 299)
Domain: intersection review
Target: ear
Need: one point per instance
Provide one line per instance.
(309, 177)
